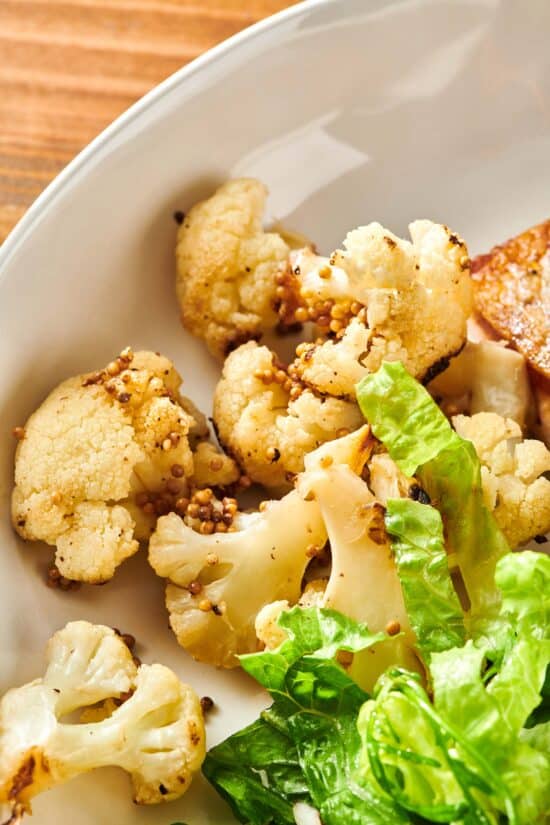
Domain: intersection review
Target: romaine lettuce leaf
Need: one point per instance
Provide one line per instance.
(486, 729)
(402, 756)
(258, 773)
(435, 614)
(524, 581)
(319, 633)
(315, 710)
(413, 755)
(421, 441)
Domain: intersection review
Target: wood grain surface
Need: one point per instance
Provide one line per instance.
(69, 67)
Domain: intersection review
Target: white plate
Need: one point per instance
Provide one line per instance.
(350, 110)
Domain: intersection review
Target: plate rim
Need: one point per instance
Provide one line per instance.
(24, 226)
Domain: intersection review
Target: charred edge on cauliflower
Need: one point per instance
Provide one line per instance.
(56, 581)
(440, 365)
(238, 337)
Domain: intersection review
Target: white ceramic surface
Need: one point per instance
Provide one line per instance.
(350, 110)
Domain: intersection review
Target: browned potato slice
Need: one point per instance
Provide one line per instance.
(512, 292)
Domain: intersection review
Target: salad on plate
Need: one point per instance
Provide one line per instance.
(361, 530)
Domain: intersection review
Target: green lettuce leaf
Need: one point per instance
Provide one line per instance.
(421, 441)
(315, 710)
(319, 633)
(258, 773)
(518, 774)
(524, 581)
(537, 737)
(416, 535)
(460, 756)
(413, 754)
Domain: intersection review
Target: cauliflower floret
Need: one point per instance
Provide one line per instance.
(363, 581)
(227, 267)
(101, 457)
(266, 423)
(485, 377)
(219, 583)
(156, 735)
(514, 486)
(226, 589)
(384, 299)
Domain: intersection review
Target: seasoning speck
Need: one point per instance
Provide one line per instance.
(393, 628)
(207, 704)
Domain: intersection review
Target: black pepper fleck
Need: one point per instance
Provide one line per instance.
(417, 493)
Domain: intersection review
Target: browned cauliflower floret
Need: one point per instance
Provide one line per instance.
(227, 267)
(265, 424)
(218, 583)
(148, 723)
(103, 455)
(512, 474)
(383, 299)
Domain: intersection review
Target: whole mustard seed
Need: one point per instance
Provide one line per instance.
(393, 628)
(207, 704)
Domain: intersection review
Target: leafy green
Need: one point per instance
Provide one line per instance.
(257, 771)
(518, 775)
(490, 705)
(421, 441)
(412, 752)
(400, 757)
(524, 581)
(314, 632)
(313, 719)
(416, 534)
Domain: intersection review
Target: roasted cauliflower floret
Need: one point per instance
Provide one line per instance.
(512, 474)
(218, 583)
(227, 267)
(363, 581)
(156, 735)
(103, 455)
(267, 423)
(382, 298)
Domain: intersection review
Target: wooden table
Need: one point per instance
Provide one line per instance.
(69, 67)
